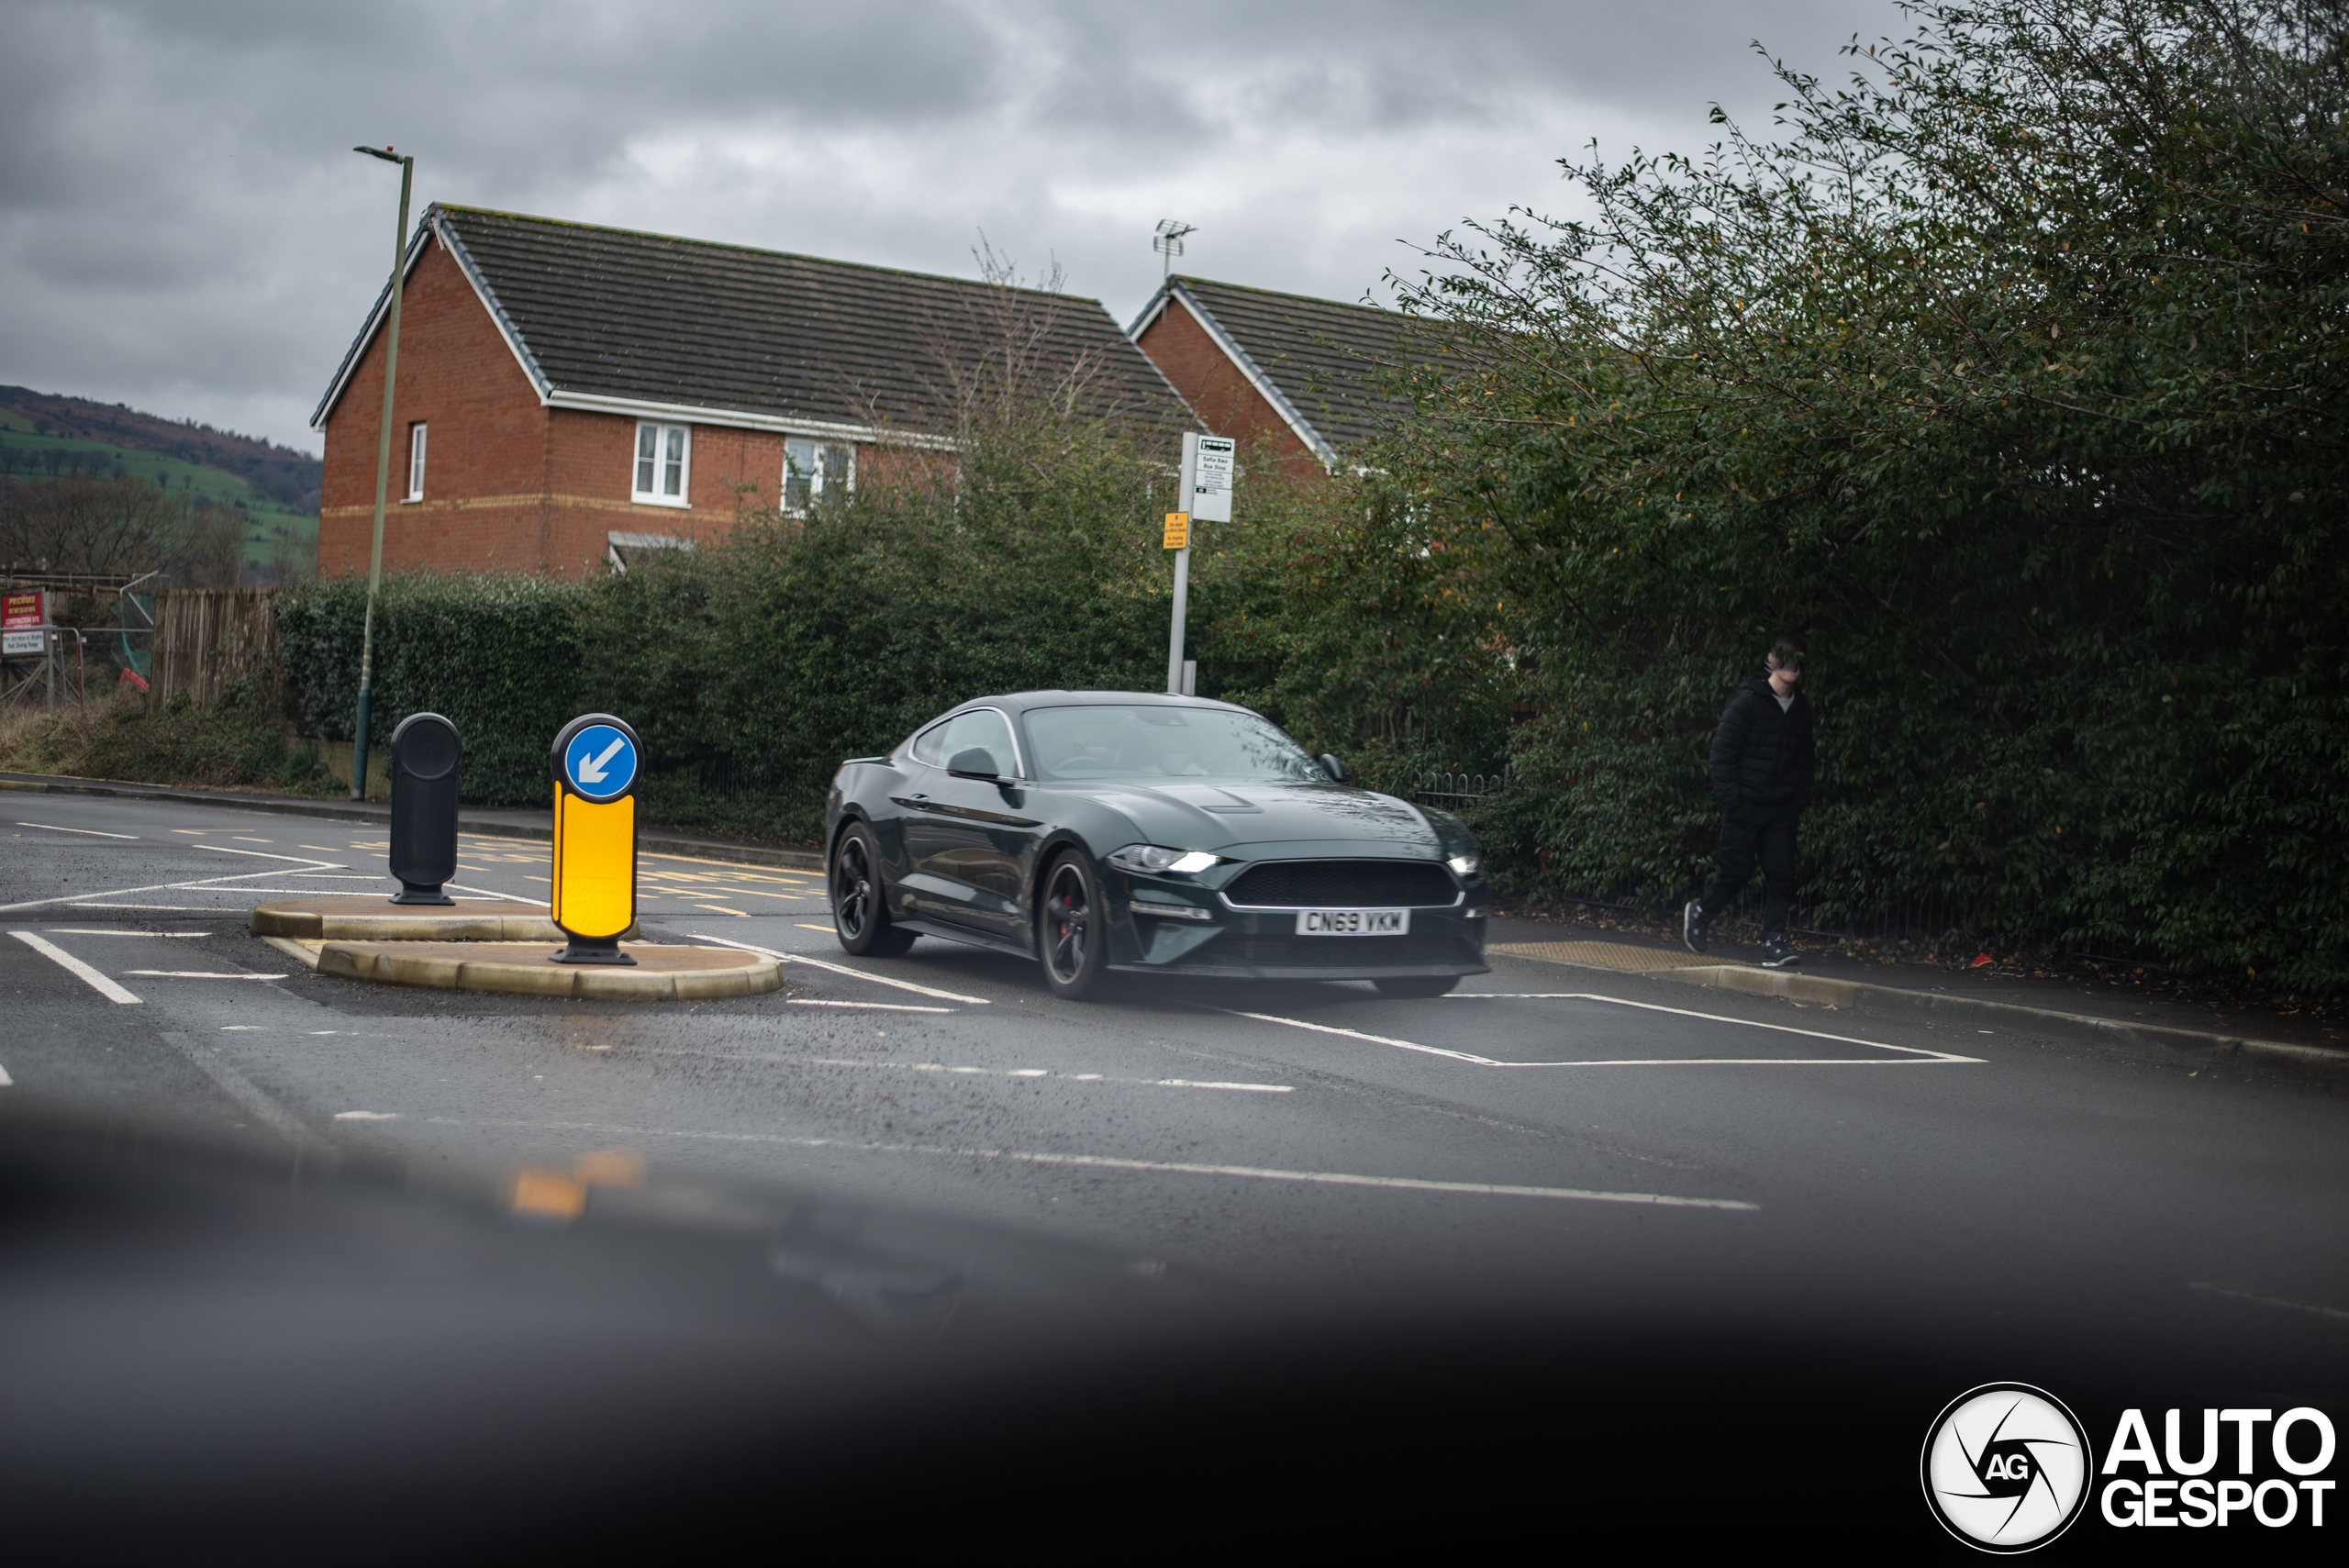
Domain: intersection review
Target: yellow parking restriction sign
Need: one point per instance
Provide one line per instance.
(1178, 530)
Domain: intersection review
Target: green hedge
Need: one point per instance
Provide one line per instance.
(497, 653)
(2030, 426)
(752, 667)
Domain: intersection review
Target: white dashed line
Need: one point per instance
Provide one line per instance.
(868, 1006)
(1152, 1167)
(199, 974)
(118, 932)
(1043, 1073)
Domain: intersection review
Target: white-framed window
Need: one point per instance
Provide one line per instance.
(665, 462)
(812, 470)
(416, 461)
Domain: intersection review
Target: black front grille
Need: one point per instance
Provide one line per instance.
(1342, 952)
(1342, 885)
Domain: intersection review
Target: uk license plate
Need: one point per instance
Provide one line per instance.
(1354, 922)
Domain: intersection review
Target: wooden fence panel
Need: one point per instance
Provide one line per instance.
(208, 639)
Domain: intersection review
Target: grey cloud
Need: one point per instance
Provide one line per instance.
(181, 227)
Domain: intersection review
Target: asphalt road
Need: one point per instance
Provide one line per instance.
(1547, 1129)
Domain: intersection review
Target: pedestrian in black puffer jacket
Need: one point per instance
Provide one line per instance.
(1761, 763)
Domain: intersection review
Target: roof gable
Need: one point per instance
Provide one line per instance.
(1317, 361)
(628, 322)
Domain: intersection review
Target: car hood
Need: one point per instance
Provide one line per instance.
(1215, 816)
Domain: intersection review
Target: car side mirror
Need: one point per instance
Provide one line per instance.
(1339, 773)
(978, 762)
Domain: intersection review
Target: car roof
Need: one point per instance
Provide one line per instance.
(1021, 701)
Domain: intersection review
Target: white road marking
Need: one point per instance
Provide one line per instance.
(93, 832)
(1039, 1072)
(239, 1088)
(868, 1006)
(192, 884)
(843, 969)
(177, 908)
(264, 855)
(366, 1115)
(114, 931)
(2318, 1311)
(1373, 1039)
(1929, 1058)
(509, 897)
(74, 966)
(6, 1082)
(297, 892)
(199, 974)
(1168, 1167)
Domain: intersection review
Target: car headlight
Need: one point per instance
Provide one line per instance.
(1465, 865)
(1153, 858)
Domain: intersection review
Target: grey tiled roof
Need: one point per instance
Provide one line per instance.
(1326, 358)
(654, 318)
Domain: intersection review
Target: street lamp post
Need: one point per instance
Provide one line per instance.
(383, 471)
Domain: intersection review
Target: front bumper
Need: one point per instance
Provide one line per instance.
(1263, 944)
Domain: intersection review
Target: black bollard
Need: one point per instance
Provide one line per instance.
(425, 749)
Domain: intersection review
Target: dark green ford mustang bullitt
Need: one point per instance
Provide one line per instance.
(1130, 830)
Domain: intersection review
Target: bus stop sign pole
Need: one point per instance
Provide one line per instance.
(596, 759)
(1205, 489)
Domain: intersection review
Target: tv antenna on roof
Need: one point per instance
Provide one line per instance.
(1168, 241)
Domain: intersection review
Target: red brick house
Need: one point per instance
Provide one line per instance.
(569, 393)
(1300, 373)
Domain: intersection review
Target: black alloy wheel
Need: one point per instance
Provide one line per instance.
(860, 910)
(1416, 984)
(1070, 936)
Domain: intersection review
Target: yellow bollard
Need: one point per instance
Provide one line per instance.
(596, 760)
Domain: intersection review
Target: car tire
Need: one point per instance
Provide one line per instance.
(860, 907)
(1072, 936)
(1403, 986)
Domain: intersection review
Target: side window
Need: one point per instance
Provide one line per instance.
(415, 461)
(980, 731)
(931, 745)
(812, 470)
(664, 456)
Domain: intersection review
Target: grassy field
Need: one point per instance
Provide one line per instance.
(278, 530)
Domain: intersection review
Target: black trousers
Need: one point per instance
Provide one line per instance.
(1751, 832)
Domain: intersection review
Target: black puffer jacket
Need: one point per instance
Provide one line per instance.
(1763, 755)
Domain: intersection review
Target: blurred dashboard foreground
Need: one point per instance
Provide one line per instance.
(221, 1354)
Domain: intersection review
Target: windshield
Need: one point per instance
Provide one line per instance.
(1155, 742)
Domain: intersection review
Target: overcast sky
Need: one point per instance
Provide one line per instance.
(183, 228)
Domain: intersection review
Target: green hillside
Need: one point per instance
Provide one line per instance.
(280, 534)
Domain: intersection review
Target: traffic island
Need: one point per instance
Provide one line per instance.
(372, 917)
(659, 972)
